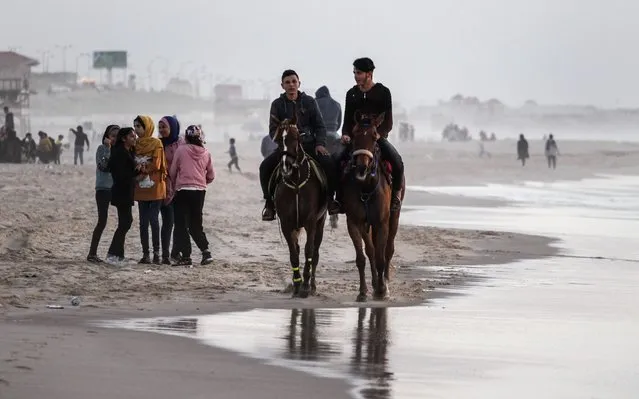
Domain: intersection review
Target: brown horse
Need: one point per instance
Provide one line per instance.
(367, 197)
(300, 202)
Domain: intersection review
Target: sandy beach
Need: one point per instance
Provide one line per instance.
(48, 214)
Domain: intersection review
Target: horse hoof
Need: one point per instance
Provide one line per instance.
(303, 294)
(381, 296)
(361, 298)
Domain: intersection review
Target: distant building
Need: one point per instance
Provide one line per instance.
(15, 87)
(179, 86)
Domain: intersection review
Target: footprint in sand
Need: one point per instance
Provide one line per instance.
(24, 368)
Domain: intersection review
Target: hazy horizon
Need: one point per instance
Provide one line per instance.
(572, 52)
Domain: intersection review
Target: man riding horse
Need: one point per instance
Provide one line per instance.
(370, 98)
(312, 131)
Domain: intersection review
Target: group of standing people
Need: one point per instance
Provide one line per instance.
(167, 176)
(551, 151)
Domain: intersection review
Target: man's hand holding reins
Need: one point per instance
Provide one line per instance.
(345, 139)
(320, 149)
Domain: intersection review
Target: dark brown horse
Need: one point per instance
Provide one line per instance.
(367, 197)
(300, 203)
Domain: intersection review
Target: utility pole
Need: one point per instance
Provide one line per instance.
(63, 50)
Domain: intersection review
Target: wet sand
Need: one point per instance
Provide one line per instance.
(45, 235)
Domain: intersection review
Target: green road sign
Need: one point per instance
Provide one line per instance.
(109, 59)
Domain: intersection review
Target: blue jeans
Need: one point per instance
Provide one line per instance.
(149, 214)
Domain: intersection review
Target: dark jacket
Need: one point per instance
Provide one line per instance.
(375, 101)
(122, 167)
(330, 109)
(522, 149)
(309, 118)
(80, 138)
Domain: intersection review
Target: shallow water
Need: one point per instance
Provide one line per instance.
(565, 327)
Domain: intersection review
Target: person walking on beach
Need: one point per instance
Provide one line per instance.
(551, 151)
(78, 148)
(191, 172)
(150, 189)
(103, 184)
(169, 129)
(522, 150)
(123, 171)
(233, 154)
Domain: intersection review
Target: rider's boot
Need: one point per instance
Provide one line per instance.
(396, 201)
(268, 214)
(335, 206)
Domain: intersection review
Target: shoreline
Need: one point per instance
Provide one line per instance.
(40, 348)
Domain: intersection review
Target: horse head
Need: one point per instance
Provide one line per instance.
(364, 141)
(287, 137)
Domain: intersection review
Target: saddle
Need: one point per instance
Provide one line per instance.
(316, 170)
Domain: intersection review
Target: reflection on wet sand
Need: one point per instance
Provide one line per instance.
(182, 325)
(369, 359)
(306, 345)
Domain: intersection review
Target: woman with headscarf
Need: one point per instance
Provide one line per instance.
(103, 184)
(169, 130)
(150, 190)
(45, 148)
(123, 171)
(191, 171)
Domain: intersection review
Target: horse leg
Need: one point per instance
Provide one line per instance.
(319, 236)
(360, 260)
(369, 247)
(381, 237)
(291, 236)
(390, 243)
(309, 253)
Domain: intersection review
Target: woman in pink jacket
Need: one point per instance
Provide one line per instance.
(190, 172)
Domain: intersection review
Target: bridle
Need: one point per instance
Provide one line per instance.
(372, 166)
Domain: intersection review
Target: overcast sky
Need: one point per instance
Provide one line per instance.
(553, 51)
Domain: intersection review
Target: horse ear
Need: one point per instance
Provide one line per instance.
(379, 120)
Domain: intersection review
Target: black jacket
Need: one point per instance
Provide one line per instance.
(122, 167)
(309, 118)
(330, 109)
(375, 101)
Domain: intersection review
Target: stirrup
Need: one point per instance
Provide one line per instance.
(268, 214)
(335, 208)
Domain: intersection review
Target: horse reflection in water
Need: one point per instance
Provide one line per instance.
(370, 354)
(369, 360)
(306, 345)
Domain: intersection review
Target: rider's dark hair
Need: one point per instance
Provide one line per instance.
(364, 64)
(289, 72)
